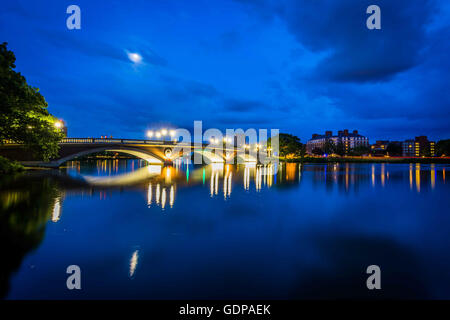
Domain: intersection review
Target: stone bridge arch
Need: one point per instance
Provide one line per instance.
(148, 156)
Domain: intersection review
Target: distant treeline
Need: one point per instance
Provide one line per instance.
(308, 159)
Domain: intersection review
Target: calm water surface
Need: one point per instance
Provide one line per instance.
(204, 232)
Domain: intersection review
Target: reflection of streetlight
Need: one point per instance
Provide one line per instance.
(149, 133)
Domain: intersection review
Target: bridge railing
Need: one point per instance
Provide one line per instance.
(111, 140)
(101, 141)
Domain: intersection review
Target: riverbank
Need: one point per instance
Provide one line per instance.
(367, 160)
(8, 166)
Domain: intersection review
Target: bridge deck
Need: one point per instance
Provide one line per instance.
(151, 150)
(97, 141)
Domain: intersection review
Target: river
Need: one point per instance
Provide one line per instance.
(225, 231)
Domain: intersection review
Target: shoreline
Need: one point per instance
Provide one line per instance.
(17, 167)
(367, 160)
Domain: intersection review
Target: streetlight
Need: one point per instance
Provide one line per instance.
(158, 134)
(172, 134)
(149, 133)
(58, 124)
(164, 132)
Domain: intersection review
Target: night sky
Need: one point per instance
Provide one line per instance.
(299, 66)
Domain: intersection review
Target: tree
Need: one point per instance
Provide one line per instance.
(24, 117)
(394, 149)
(360, 150)
(443, 148)
(340, 149)
(425, 151)
(289, 145)
(329, 146)
(302, 151)
(317, 151)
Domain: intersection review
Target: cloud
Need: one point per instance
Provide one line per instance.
(244, 105)
(354, 53)
(98, 48)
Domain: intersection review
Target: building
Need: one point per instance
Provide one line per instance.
(379, 148)
(418, 147)
(348, 140)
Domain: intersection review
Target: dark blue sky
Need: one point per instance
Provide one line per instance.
(300, 66)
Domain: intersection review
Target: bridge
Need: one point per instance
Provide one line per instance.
(153, 151)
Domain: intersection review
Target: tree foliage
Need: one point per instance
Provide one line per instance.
(8, 166)
(443, 148)
(360, 150)
(317, 151)
(290, 146)
(394, 149)
(340, 148)
(24, 117)
(329, 146)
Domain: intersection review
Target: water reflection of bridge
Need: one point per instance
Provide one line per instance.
(162, 183)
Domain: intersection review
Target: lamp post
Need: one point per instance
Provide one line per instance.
(163, 134)
(172, 134)
(60, 125)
